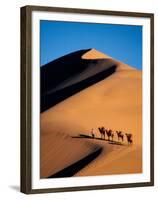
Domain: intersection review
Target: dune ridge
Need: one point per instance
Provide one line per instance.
(81, 70)
(94, 54)
(55, 146)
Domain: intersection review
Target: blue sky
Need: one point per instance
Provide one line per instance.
(122, 42)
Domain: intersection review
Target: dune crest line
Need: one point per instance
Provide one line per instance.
(70, 74)
(77, 166)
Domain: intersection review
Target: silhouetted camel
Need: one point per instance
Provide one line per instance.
(120, 135)
(102, 132)
(109, 134)
(112, 136)
(129, 138)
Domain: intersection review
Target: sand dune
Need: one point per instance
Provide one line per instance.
(115, 102)
(75, 74)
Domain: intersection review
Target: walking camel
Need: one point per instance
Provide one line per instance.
(102, 132)
(109, 134)
(129, 138)
(120, 135)
(112, 136)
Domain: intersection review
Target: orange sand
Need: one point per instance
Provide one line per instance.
(115, 103)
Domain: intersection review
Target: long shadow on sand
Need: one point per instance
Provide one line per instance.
(97, 138)
(77, 166)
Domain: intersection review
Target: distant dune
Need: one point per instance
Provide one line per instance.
(96, 91)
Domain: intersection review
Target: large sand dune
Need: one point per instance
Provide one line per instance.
(115, 101)
(70, 74)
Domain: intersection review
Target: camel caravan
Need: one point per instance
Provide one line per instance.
(110, 135)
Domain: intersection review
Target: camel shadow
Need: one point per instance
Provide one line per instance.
(89, 137)
(98, 138)
(116, 143)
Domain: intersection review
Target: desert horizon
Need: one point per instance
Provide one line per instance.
(91, 116)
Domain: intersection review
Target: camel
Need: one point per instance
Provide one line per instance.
(120, 135)
(112, 136)
(102, 132)
(109, 134)
(129, 138)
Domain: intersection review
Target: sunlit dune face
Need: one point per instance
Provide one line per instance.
(94, 54)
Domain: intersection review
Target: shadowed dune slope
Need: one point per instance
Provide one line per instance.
(56, 154)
